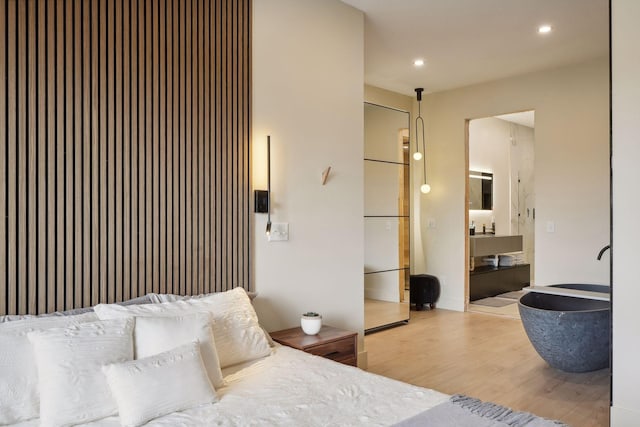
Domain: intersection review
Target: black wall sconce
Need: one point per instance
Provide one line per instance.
(262, 198)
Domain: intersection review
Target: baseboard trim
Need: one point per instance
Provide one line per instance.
(450, 304)
(363, 360)
(623, 417)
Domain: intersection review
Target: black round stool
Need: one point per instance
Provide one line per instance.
(423, 289)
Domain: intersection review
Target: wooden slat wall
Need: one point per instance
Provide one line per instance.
(124, 150)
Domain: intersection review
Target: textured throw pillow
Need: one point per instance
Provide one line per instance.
(156, 298)
(238, 335)
(158, 385)
(73, 388)
(154, 335)
(19, 396)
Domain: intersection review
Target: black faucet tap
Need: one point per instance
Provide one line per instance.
(602, 251)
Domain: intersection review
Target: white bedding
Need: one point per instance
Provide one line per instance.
(292, 388)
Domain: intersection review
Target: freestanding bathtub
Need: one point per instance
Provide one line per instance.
(571, 334)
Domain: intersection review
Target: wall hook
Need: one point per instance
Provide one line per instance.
(325, 175)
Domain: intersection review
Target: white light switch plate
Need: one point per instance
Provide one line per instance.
(551, 227)
(431, 223)
(279, 232)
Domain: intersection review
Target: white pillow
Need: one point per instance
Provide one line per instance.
(73, 388)
(153, 335)
(238, 335)
(19, 396)
(158, 385)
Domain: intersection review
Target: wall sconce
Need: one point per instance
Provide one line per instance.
(262, 198)
(425, 188)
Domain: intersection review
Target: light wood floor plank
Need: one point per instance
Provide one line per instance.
(488, 357)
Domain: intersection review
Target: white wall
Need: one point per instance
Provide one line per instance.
(308, 68)
(571, 179)
(625, 410)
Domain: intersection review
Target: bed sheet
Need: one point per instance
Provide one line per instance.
(292, 388)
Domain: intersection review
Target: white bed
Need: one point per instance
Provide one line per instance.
(293, 388)
(159, 363)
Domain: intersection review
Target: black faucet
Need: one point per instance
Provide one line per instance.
(602, 251)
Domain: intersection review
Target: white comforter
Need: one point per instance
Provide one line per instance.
(292, 388)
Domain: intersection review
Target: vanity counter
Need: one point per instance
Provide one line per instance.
(489, 244)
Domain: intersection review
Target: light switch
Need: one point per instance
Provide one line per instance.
(279, 232)
(431, 223)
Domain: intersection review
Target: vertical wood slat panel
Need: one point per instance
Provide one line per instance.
(124, 150)
(102, 150)
(234, 143)
(222, 130)
(12, 109)
(21, 160)
(31, 238)
(162, 151)
(3, 160)
(248, 176)
(118, 152)
(170, 264)
(110, 142)
(94, 130)
(142, 142)
(134, 146)
(206, 190)
(195, 146)
(58, 154)
(85, 143)
(189, 150)
(51, 156)
(155, 147)
(201, 92)
(67, 159)
(182, 81)
(148, 146)
(176, 145)
(218, 148)
(78, 195)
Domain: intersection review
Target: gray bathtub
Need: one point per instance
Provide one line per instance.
(570, 334)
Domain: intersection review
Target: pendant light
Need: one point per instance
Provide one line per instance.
(424, 188)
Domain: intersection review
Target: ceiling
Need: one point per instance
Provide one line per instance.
(464, 42)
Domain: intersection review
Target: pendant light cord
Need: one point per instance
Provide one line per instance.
(420, 120)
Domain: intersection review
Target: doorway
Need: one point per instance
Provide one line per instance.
(501, 216)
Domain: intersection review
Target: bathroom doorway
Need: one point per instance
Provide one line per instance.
(501, 215)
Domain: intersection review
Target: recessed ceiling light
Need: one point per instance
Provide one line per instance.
(418, 62)
(544, 29)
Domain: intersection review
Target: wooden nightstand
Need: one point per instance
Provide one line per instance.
(331, 343)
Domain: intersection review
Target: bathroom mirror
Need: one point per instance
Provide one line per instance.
(480, 190)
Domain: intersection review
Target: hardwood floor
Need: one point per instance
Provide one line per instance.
(488, 357)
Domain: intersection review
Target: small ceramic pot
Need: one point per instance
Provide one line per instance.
(311, 323)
